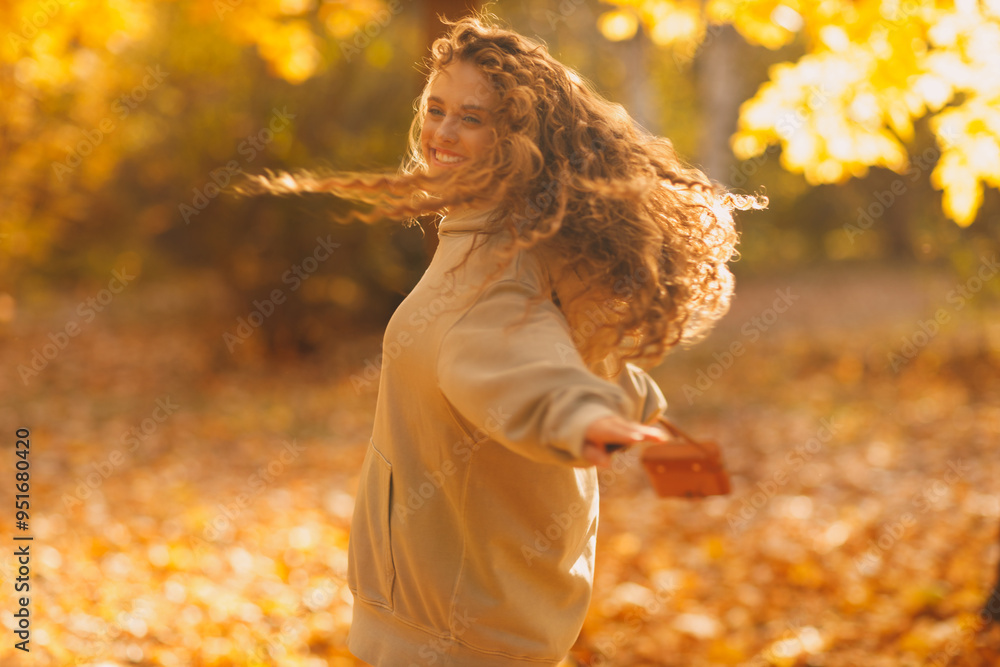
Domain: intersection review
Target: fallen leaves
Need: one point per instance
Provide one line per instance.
(875, 545)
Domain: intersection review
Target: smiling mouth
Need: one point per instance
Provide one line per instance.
(446, 158)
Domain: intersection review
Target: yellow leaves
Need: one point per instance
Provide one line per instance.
(786, 652)
(872, 68)
(963, 194)
(291, 51)
(682, 25)
(700, 626)
(379, 53)
(807, 574)
(769, 23)
(618, 26)
(826, 115)
(970, 156)
(967, 61)
(714, 547)
(287, 44)
(342, 19)
(670, 23)
(135, 583)
(295, 7)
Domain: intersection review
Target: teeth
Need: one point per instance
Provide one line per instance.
(447, 158)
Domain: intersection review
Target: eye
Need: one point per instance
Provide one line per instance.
(472, 119)
(434, 111)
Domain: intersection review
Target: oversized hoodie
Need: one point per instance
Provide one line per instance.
(472, 542)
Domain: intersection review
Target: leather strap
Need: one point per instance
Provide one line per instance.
(673, 430)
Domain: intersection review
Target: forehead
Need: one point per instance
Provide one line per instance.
(462, 84)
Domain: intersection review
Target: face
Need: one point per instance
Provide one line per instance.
(457, 126)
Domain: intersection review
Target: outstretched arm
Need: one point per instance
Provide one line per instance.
(527, 386)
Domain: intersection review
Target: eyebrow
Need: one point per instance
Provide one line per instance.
(470, 107)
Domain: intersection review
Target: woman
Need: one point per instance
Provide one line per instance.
(571, 244)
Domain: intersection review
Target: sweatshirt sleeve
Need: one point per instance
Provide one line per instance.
(525, 385)
(644, 392)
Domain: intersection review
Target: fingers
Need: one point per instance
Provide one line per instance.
(617, 430)
(617, 433)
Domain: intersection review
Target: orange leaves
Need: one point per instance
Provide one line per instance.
(870, 548)
(875, 551)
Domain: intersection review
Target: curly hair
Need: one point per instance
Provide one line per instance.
(640, 241)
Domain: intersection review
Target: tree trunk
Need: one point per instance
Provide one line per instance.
(640, 96)
(720, 92)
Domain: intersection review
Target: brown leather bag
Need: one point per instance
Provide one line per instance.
(685, 467)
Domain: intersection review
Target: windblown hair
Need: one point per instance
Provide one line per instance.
(642, 241)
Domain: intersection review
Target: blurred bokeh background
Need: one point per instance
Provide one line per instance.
(199, 371)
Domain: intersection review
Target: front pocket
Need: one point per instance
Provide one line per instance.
(370, 570)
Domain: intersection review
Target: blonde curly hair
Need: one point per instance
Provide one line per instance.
(642, 241)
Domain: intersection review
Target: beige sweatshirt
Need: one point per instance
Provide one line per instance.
(472, 543)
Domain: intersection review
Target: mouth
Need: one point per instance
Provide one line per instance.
(446, 158)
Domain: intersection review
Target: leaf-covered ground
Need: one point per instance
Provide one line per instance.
(192, 507)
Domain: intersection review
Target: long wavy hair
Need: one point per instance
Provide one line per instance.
(640, 241)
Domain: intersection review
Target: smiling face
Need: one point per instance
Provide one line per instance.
(457, 124)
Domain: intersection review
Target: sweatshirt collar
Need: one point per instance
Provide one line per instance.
(467, 220)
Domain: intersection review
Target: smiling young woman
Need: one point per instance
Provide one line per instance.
(572, 244)
(457, 126)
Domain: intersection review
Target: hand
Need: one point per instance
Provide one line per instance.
(615, 430)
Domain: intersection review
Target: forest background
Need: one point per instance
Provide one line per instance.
(198, 372)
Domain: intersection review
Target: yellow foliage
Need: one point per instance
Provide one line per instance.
(618, 25)
(80, 96)
(769, 23)
(871, 68)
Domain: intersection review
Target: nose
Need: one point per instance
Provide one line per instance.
(447, 130)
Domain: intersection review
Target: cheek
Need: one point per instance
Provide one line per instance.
(480, 142)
